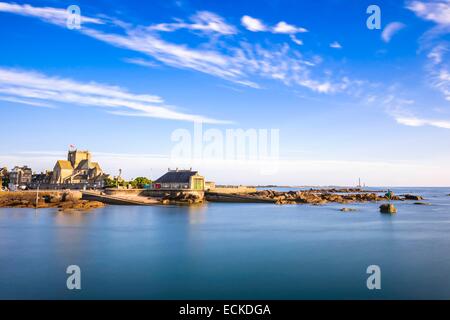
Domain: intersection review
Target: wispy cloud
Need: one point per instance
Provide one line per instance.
(203, 21)
(238, 64)
(419, 122)
(38, 89)
(27, 102)
(390, 30)
(435, 43)
(400, 109)
(437, 11)
(296, 40)
(438, 67)
(47, 14)
(141, 62)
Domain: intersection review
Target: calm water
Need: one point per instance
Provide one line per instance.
(222, 251)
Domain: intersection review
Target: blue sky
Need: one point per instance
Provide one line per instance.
(348, 101)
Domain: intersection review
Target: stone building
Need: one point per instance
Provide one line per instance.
(180, 180)
(42, 179)
(19, 177)
(78, 169)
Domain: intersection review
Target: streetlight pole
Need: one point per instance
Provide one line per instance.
(37, 195)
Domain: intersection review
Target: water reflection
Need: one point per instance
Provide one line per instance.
(197, 214)
(223, 251)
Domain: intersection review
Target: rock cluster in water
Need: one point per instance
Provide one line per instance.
(323, 196)
(181, 198)
(64, 201)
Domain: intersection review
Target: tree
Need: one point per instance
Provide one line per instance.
(114, 183)
(110, 183)
(140, 182)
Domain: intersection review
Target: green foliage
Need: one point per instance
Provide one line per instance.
(4, 181)
(114, 183)
(140, 182)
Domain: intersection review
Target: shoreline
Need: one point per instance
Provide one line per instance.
(63, 200)
(66, 200)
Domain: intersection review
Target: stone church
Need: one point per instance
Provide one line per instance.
(78, 169)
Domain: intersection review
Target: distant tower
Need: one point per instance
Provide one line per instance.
(76, 156)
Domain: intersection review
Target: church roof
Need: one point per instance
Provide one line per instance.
(64, 164)
(94, 165)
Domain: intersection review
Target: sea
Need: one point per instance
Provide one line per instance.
(230, 251)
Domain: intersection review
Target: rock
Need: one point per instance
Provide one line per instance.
(412, 197)
(348, 209)
(422, 203)
(81, 205)
(388, 208)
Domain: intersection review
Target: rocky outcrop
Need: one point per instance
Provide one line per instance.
(63, 200)
(313, 197)
(180, 198)
(318, 198)
(412, 197)
(343, 190)
(388, 208)
(348, 210)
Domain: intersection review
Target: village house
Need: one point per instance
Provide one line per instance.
(41, 179)
(78, 169)
(180, 180)
(19, 177)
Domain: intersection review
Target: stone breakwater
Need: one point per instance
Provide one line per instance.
(63, 200)
(326, 195)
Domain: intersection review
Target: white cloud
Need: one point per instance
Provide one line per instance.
(48, 14)
(436, 11)
(253, 24)
(390, 30)
(175, 55)
(240, 64)
(438, 69)
(204, 21)
(141, 62)
(401, 110)
(419, 122)
(296, 40)
(437, 53)
(37, 88)
(335, 45)
(26, 102)
(283, 27)
(256, 25)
